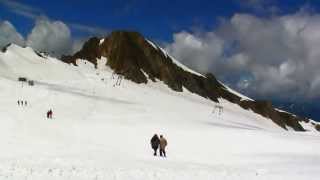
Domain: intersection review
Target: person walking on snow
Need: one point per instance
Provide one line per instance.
(163, 144)
(155, 141)
(50, 114)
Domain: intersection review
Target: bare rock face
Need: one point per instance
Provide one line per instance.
(132, 56)
(282, 119)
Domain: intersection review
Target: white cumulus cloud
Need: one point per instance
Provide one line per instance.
(199, 51)
(271, 56)
(8, 34)
(50, 36)
(53, 37)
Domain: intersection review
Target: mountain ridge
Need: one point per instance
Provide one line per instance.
(140, 60)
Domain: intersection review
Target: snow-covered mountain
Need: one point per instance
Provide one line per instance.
(310, 109)
(102, 123)
(140, 60)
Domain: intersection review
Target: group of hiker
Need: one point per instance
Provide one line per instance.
(22, 103)
(159, 143)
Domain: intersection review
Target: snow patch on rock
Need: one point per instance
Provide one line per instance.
(101, 41)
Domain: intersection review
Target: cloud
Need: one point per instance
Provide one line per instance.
(264, 57)
(22, 9)
(53, 37)
(9, 34)
(260, 6)
(34, 13)
(77, 45)
(92, 30)
(197, 51)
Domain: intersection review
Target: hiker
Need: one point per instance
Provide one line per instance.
(155, 143)
(163, 144)
(50, 114)
(18, 102)
(25, 103)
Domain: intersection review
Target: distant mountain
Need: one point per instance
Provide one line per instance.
(306, 109)
(140, 60)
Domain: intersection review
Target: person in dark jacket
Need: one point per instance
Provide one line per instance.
(50, 114)
(155, 142)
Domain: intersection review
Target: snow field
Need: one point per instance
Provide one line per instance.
(102, 131)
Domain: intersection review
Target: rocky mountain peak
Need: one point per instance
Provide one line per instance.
(140, 60)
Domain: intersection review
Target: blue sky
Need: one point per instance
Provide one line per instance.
(266, 49)
(155, 19)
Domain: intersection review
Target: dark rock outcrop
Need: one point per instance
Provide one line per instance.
(132, 56)
(265, 109)
(4, 49)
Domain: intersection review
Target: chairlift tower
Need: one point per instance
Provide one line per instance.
(218, 107)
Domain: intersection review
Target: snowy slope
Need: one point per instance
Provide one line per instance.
(102, 131)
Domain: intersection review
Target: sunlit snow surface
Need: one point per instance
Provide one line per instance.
(102, 131)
